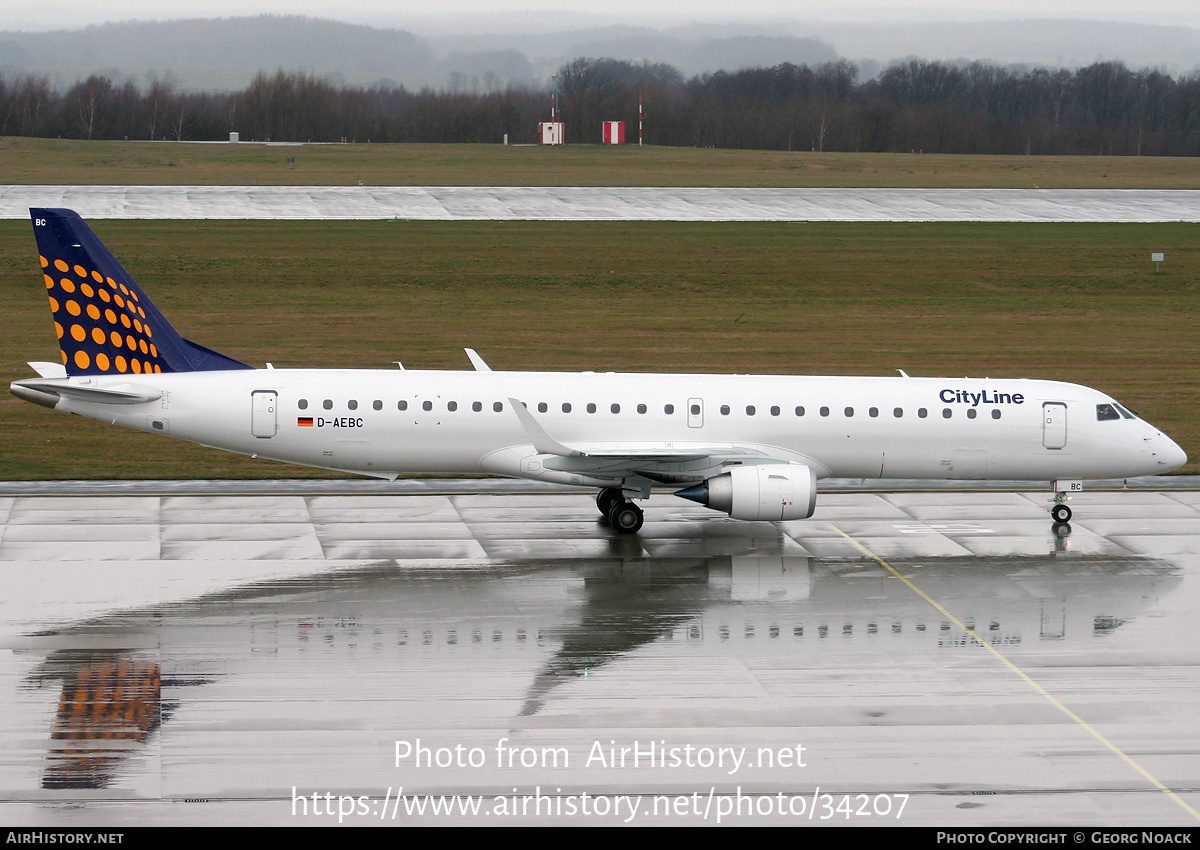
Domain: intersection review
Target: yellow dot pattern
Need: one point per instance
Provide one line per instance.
(100, 325)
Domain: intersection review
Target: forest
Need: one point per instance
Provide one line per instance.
(913, 106)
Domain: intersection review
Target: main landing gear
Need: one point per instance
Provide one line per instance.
(624, 516)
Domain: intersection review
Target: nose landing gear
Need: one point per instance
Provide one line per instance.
(1060, 512)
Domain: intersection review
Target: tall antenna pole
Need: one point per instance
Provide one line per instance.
(639, 119)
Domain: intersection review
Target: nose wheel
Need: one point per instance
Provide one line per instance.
(1059, 511)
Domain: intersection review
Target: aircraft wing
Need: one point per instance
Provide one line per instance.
(655, 460)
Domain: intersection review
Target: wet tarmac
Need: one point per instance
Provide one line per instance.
(480, 652)
(571, 203)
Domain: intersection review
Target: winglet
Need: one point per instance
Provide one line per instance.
(477, 361)
(543, 442)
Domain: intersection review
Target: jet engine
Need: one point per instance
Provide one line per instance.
(774, 491)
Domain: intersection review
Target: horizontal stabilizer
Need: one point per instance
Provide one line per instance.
(60, 387)
(48, 370)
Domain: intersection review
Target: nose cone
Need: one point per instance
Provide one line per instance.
(1169, 454)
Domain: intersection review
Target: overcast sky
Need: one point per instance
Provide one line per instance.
(480, 14)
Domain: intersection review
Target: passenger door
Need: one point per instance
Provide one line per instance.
(1054, 425)
(264, 418)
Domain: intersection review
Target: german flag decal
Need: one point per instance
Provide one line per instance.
(304, 421)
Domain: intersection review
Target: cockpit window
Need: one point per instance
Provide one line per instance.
(1113, 410)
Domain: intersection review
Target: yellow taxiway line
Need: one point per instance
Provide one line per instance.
(1028, 680)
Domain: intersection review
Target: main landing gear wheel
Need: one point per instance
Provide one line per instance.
(608, 497)
(1061, 513)
(625, 518)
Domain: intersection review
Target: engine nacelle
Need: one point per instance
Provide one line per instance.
(775, 491)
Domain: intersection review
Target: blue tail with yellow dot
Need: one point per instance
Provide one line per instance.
(105, 323)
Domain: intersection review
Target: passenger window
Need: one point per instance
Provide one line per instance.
(799, 411)
(477, 406)
(922, 413)
(695, 410)
(873, 412)
(898, 413)
(591, 408)
(749, 410)
(996, 413)
(402, 405)
(452, 406)
(1105, 412)
(542, 408)
(775, 410)
(497, 406)
(377, 405)
(615, 408)
(724, 410)
(668, 409)
(302, 404)
(971, 413)
(327, 404)
(428, 405)
(641, 408)
(824, 411)
(849, 412)
(566, 407)
(352, 404)
(947, 413)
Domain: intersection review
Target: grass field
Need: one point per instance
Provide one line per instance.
(56, 161)
(1072, 302)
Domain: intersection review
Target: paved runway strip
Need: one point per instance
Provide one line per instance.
(501, 203)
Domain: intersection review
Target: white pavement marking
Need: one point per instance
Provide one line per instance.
(573, 203)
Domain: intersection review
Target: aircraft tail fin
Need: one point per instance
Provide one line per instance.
(105, 323)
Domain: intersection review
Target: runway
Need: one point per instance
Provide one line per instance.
(490, 653)
(501, 203)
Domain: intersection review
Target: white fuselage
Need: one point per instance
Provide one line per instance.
(384, 423)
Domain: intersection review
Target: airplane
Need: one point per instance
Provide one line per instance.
(752, 447)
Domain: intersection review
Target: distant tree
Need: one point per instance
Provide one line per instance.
(88, 102)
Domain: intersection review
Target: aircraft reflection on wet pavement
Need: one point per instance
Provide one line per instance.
(538, 626)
